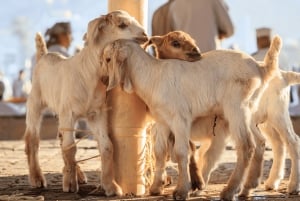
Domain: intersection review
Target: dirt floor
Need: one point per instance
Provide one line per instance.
(14, 184)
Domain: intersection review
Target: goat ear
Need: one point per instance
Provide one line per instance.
(114, 76)
(147, 44)
(127, 87)
(84, 37)
(115, 71)
(156, 40)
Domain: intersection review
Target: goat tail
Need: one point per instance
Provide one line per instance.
(41, 48)
(271, 59)
(291, 77)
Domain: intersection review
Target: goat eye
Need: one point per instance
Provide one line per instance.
(175, 44)
(107, 60)
(122, 25)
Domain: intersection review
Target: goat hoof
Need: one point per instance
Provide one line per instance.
(180, 195)
(82, 179)
(269, 185)
(154, 190)
(227, 194)
(38, 181)
(69, 186)
(70, 183)
(113, 189)
(197, 183)
(245, 193)
(293, 189)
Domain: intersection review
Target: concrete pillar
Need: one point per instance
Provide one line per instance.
(136, 8)
(127, 120)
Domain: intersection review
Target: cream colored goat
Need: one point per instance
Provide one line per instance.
(72, 88)
(272, 117)
(175, 45)
(177, 92)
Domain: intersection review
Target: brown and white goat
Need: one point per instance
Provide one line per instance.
(175, 45)
(177, 92)
(72, 88)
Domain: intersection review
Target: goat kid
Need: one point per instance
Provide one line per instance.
(72, 88)
(228, 83)
(272, 117)
(175, 45)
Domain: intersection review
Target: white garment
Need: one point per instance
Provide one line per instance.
(60, 49)
(19, 89)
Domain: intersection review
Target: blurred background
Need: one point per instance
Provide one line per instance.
(22, 19)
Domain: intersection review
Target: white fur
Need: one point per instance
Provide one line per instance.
(178, 92)
(72, 88)
(272, 117)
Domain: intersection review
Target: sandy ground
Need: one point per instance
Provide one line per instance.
(14, 184)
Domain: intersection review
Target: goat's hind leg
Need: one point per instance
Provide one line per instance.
(32, 139)
(256, 163)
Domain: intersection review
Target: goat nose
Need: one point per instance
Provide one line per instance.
(144, 34)
(196, 50)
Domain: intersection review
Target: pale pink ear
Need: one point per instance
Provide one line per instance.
(84, 37)
(115, 67)
(156, 40)
(113, 74)
(127, 87)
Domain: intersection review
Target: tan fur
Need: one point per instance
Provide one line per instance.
(41, 48)
(177, 45)
(191, 90)
(72, 89)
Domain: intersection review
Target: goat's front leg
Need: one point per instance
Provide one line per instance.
(68, 147)
(161, 135)
(98, 125)
(181, 153)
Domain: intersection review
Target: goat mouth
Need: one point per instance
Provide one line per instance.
(141, 40)
(196, 56)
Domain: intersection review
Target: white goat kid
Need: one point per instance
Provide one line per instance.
(72, 88)
(227, 82)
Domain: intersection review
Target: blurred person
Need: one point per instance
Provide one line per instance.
(263, 42)
(59, 38)
(160, 25)
(2, 88)
(21, 87)
(7, 89)
(207, 21)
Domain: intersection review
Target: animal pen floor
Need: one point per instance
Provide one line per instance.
(14, 184)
